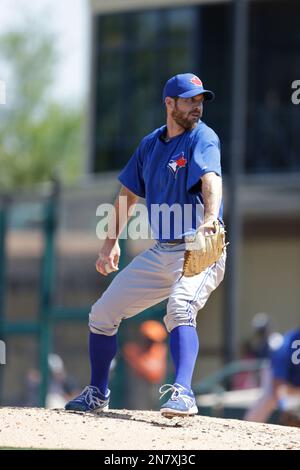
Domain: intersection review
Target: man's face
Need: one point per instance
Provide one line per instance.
(187, 111)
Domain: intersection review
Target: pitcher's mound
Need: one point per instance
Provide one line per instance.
(39, 428)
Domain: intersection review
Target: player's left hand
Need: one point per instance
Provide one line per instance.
(204, 249)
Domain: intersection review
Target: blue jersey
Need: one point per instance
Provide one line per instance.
(285, 359)
(167, 174)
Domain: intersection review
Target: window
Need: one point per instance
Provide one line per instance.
(274, 63)
(136, 53)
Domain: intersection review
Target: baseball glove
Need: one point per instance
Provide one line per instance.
(203, 250)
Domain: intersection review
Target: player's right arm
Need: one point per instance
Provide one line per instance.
(110, 252)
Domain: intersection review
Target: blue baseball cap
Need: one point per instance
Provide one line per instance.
(186, 85)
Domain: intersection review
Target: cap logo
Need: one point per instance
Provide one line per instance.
(196, 81)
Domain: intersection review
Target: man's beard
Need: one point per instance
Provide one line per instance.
(183, 121)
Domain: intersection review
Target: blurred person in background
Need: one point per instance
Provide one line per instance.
(282, 385)
(147, 361)
(32, 388)
(256, 348)
(61, 386)
(258, 345)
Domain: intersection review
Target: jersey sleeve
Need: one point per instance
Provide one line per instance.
(205, 158)
(132, 175)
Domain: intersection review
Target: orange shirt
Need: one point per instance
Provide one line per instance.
(151, 364)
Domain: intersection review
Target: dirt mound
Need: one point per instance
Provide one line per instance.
(132, 430)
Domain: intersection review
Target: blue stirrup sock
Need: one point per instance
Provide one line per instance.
(184, 347)
(102, 351)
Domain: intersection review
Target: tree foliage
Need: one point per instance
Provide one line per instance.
(38, 137)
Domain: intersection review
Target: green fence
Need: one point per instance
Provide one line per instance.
(49, 314)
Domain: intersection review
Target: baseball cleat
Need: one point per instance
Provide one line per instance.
(90, 400)
(181, 403)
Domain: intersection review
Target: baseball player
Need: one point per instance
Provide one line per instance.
(282, 383)
(177, 164)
